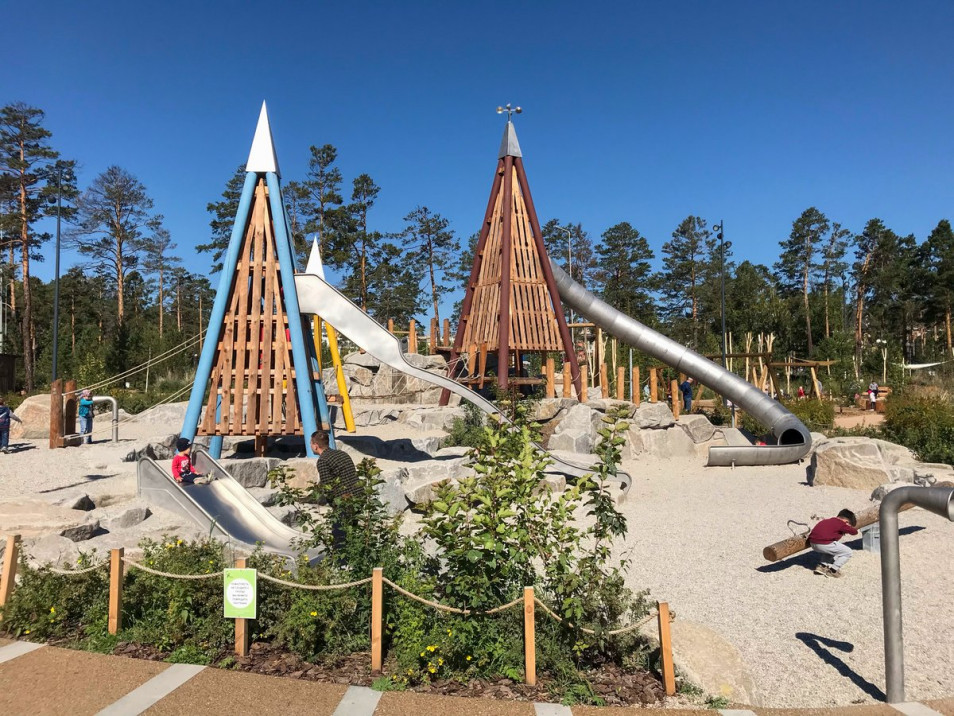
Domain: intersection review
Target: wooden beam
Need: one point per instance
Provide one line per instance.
(551, 378)
(56, 414)
(585, 382)
(529, 637)
(653, 386)
(567, 391)
(604, 380)
(115, 619)
(377, 617)
(620, 383)
(637, 393)
(674, 392)
(665, 649)
(412, 337)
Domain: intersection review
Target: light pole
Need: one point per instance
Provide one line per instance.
(721, 236)
(60, 168)
(883, 346)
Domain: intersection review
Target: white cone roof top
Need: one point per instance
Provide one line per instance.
(261, 158)
(314, 261)
(509, 146)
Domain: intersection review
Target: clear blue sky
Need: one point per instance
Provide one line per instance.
(642, 112)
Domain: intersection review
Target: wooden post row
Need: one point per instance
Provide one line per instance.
(115, 621)
(676, 403)
(637, 388)
(377, 617)
(665, 649)
(551, 378)
(9, 575)
(241, 625)
(529, 637)
(620, 383)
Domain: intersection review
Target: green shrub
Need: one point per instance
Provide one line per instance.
(467, 431)
(818, 415)
(923, 424)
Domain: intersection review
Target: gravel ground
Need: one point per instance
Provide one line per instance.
(696, 539)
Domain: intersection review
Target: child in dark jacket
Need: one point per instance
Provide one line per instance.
(6, 415)
(182, 469)
(824, 539)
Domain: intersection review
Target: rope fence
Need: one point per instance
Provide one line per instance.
(118, 563)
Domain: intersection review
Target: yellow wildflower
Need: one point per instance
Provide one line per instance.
(52, 610)
(431, 648)
(440, 662)
(314, 614)
(468, 658)
(450, 633)
(432, 669)
(27, 631)
(422, 653)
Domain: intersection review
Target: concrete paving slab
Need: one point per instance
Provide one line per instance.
(913, 708)
(395, 703)
(52, 681)
(863, 710)
(552, 710)
(358, 701)
(16, 649)
(217, 691)
(633, 711)
(158, 687)
(942, 706)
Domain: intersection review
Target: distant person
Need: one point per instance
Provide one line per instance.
(824, 539)
(6, 415)
(873, 389)
(182, 469)
(646, 392)
(85, 413)
(686, 389)
(801, 393)
(338, 480)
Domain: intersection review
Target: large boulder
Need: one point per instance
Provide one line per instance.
(34, 414)
(606, 404)
(391, 490)
(865, 464)
(305, 472)
(571, 440)
(578, 430)
(168, 414)
(672, 442)
(53, 550)
(33, 517)
(432, 418)
(420, 480)
(652, 415)
(252, 471)
(697, 427)
(359, 358)
(549, 408)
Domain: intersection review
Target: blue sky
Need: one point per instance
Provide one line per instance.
(642, 112)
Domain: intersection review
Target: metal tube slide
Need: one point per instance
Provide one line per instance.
(794, 439)
(321, 298)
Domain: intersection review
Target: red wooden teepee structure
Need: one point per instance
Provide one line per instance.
(511, 306)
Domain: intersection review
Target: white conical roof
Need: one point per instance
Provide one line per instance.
(261, 158)
(314, 261)
(509, 146)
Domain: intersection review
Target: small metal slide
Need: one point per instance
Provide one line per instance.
(224, 509)
(794, 439)
(321, 298)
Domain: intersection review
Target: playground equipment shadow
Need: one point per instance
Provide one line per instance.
(50, 680)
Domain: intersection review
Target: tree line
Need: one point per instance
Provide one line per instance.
(832, 293)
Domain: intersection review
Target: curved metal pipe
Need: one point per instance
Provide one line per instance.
(110, 399)
(940, 501)
(794, 439)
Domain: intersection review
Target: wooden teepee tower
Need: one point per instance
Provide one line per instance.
(511, 305)
(258, 358)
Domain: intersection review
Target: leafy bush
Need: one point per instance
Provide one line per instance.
(818, 415)
(924, 424)
(467, 431)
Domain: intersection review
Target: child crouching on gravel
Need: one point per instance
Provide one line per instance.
(824, 539)
(182, 469)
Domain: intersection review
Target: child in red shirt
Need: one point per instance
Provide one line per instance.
(824, 539)
(182, 469)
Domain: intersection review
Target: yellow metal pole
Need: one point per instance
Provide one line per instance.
(339, 376)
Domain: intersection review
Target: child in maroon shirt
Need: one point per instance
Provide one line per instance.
(824, 539)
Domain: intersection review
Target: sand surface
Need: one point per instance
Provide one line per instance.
(695, 540)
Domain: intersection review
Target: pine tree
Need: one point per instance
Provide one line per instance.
(623, 272)
(223, 217)
(325, 216)
(361, 241)
(797, 264)
(938, 278)
(686, 267)
(394, 276)
(156, 247)
(428, 235)
(833, 265)
(862, 277)
(113, 212)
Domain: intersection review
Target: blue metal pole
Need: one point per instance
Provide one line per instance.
(204, 370)
(306, 396)
(215, 444)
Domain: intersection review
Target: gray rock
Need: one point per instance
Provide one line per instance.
(34, 414)
(304, 471)
(606, 404)
(51, 549)
(572, 440)
(553, 482)
(286, 514)
(251, 472)
(34, 517)
(549, 408)
(582, 418)
(265, 496)
(432, 418)
(391, 490)
(124, 516)
(697, 427)
(365, 360)
(849, 462)
(74, 501)
(652, 415)
(81, 532)
(167, 414)
(672, 442)
(423, 478)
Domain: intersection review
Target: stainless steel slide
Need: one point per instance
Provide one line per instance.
(318, 297)
(794, 439)
(224, 509)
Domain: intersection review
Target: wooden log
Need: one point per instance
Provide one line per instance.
(482, 366)
(9, 575)
(674, 390)
(56, 414)
(653, 386)
(584, 381)
(432, 341)
(604, 381)
(637, 388)
(412, 337)
(69, 412)
(567, 380)
(241, 625)
(447, 338)
(793, 545)
(377, 617)
(665, 649)
(261, 445)
(115, 620)
(390, 325)
(620, 383)
(551, 378)
(529, 637)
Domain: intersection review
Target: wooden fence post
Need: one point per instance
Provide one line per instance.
(432, 342)
(620, 383)
(447, 338)
(674, 389)
(604, 381)
(56, 414)
(529, 637)
(391, 325)
(665, 649)
(567, 380)
(377, 617)
(241, 625)
(115, 622)
(9, 575)
(637, 388)
(653, 386)
(551, 378)
(412, 337)
(69, 413)
(584, 381)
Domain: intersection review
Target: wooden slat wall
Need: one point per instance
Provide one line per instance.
(533, 324)
(253, 370)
